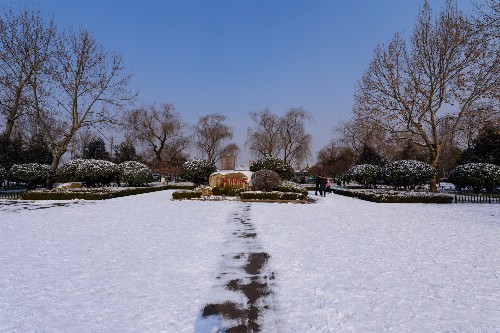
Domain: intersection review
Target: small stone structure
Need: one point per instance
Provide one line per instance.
(233, 179)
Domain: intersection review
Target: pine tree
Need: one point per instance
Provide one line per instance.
(370, 156)
(96, 149)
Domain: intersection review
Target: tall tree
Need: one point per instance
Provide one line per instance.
(446, 70)
(96, 149)
(161, 128)
(211, 137)
(280, 137)
(124, 152)
(26, 42)
(83, 87)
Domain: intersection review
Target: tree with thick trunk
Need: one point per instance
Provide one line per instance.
(448, 68)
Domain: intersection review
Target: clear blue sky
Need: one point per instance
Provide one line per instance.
(237, 56)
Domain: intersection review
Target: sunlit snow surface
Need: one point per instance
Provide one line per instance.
(148, 264)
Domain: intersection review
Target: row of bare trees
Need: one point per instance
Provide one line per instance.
(55, 82)
(432, 92)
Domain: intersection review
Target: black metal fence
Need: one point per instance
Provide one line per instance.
(11, 194)
(476, 198)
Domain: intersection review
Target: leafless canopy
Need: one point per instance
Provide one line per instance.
(280, 137)
(211, 135)
(446, 70)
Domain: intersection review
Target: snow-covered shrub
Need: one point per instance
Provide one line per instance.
(67, 172)
(225, 190)
(364, 174)
(275, 164)
(31, 173)
(273, 195)
(408, 173)
(476, 176)
(96, 172)
(197, 171)
(135, 173)
(288, 186)
(265, 180)
(186, 194)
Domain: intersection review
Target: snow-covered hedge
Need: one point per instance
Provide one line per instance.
(265, 180)
(407, 173)
(384, 196)
(271, 196)
(32, 174)
(186, 194)
(275, 164)
(197, 171)
(135, 173)
(476, 177)
(67, 172)
(364, 174)
(288, 186)
(96, 172)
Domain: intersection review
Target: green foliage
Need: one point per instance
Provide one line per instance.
(135, 173)
(485, 148)
(476, 177)
(407, 173)
(124, 152)
(96, 149)
(365, 174)
(67, 172)
(11, 152)
(275, 195)
(229, 191)
(197, 171)
(3, 173)
(177, 195)
(265, 180)
(284, 170)
(370, 156)
(96, 172)
(37, 151)
(32, 174)
(382, 196)
(288, 186)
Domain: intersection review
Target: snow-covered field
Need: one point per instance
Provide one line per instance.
(148, 264)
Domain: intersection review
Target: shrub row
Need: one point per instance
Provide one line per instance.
(274, 195)
(400, 174)
(100, 194)
(186, 194)
(395, 196)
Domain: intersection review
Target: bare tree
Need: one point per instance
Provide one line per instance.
(162, 129)
(264, 139)
(84, 87)
(334, 159)
(280, 137)
(447, 69)
(26, 42)
(211, 135)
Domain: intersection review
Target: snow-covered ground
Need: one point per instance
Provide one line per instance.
(148, 264)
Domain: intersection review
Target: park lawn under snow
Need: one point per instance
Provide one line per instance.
(146, 264)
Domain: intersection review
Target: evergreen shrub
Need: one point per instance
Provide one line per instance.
(197, 171)
(288, 186)
(407, 173)
(229, 191)
(32, 174)
(274, 195)
(365, 174)
(177, 195)
(96, 172)
(265, 180)
(475, 177)
(135, 173)
(275, 164)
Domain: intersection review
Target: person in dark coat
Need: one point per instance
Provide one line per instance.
(322, 186)
(317, 184)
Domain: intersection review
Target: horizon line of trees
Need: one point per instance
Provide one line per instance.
(429, 97)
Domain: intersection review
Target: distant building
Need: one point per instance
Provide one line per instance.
(228, 162)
